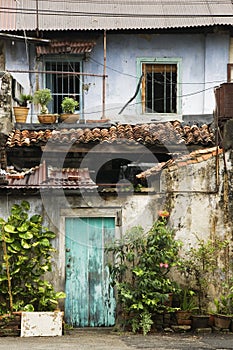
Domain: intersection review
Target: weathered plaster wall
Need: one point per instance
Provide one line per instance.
(5, 106)
(198, 198)
(204, 59)
(197, 208)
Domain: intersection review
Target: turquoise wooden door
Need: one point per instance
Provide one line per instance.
(89, 297)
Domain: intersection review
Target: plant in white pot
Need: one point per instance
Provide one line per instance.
(69, 106)
(43, 97)
(25, 261)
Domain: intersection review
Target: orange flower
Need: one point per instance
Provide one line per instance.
(163, 213)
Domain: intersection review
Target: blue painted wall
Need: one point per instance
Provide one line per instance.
(204, 66)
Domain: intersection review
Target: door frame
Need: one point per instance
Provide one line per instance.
(106, 212)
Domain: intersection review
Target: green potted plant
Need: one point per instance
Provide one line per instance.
(187, 305)
(198, 266)
(68, 106)
(21, 111)
(43, 97)
(224, 308)
(25, 259)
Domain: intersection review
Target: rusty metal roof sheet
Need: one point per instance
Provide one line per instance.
(40, 178)
(173, 133)
(194, 157)
(113, 15)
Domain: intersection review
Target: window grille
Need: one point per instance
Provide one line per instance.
(62, 84)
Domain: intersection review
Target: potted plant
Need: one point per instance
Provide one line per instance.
(198, 265)
(25, 259)
(224, 310)
(68, 106)
(187, 305)
(21, 111)
(43, 97)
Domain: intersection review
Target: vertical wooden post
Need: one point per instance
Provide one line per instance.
(104, 76)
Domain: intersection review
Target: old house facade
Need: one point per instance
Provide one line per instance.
(147, 137)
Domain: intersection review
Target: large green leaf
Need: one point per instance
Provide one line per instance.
(36, 219)
(16, 246)
(26, 235)
(25, 245)
(49, 234)
(10, 249)
(9, 228)
(23, 228)
(25, 205)
(45, 242)
(9, 239)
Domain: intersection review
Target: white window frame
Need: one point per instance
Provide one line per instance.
(64, 59)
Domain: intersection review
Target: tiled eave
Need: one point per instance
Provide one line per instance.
(167, 133)
(194, 157)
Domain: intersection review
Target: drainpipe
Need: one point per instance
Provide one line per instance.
(104, 77)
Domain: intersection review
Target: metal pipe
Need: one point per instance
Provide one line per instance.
(104, 76)
(55, 72)
(13, 36)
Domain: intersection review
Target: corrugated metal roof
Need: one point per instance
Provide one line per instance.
(112, 15)
(40, 177)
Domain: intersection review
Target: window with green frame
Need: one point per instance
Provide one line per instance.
(160, 89)
(62, 81)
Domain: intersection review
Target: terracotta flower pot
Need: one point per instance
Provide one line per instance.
(222, 321)
(47, 118)
(69, 118)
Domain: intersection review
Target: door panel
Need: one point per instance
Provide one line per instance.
(89, 296)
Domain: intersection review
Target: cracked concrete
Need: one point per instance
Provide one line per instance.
(106, 339)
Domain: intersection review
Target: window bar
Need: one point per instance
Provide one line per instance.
(171, 89)
(164, 90)
(57, 82)
(152, 90)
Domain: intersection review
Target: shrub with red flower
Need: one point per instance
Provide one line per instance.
(163, 213)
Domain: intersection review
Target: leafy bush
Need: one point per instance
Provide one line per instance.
(26, 257)
(139, 270)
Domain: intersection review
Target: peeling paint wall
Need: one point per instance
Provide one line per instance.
(203, 66)
(197, 207)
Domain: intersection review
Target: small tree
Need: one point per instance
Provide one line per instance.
(140, 267)
(199, 265)
(26, 257)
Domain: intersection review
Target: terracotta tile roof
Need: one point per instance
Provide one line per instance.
(40, 177)
(148, 134)
(61, 47)
(173, 164)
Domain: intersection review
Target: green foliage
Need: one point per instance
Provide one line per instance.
(224, 302)
(43, 97)
(27, 254)
(187, 299)
(198, 266)
(68, 105)
(140, 271)
(24, 100)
